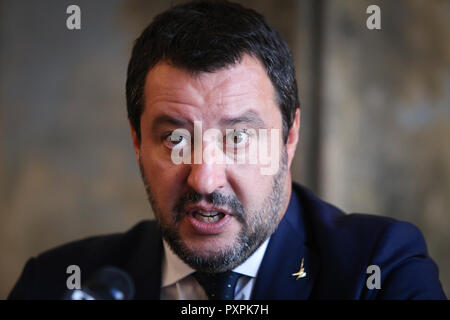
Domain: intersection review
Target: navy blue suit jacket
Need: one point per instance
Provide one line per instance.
(336, 249)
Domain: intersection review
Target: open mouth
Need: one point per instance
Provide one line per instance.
(206, 220)
(208, 216)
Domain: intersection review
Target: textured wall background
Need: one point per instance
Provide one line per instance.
(386, 115)
(375, 117)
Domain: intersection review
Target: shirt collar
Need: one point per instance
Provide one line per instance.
(174, 269)
(250, 266)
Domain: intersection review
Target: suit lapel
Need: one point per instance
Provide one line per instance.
(283, 258)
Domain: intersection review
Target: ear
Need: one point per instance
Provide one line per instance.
(136, 142)
(292, 140)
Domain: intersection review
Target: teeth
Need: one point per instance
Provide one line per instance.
(207, 213)
(208, 216)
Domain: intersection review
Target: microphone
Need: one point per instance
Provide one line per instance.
(108, 283)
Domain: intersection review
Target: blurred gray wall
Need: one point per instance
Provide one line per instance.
(374, 132)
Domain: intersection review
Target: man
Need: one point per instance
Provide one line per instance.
(208, 83)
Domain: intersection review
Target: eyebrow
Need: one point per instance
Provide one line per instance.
(248, 117)
(169, 120)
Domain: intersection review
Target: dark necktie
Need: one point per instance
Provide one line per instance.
(218, 286)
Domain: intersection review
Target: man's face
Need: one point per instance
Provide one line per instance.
(213, 213)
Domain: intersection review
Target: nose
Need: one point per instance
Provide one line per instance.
(207, 176)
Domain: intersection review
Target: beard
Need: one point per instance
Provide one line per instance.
(256, 226)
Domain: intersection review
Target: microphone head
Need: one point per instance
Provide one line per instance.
(108, 283)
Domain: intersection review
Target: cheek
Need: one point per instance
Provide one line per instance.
(249, 185)
(164, 178)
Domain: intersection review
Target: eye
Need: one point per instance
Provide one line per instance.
(238, 138)
(176, 139)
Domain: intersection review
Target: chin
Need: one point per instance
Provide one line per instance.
(210, 245)
(209, 253)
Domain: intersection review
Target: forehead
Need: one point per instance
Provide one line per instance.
(226, 92)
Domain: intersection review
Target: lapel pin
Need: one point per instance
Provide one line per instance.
(301, 273)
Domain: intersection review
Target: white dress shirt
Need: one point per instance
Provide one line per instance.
(178, 283)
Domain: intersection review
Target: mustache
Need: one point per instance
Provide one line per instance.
(230, 202)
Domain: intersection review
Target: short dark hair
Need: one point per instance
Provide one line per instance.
(206, 36)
